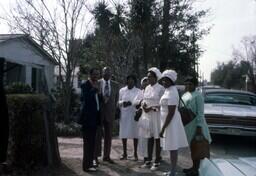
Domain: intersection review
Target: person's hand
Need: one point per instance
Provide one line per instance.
(127, 103)
(137, 106)
(96, 86)
(199, 130)
(161, 135)
(147, 109)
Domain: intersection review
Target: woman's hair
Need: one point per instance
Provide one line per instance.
(153, 73)
(131, 77)
(192, 79)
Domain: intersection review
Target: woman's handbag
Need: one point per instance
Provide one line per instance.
(187, 115)
(200, 147)
(138, 114)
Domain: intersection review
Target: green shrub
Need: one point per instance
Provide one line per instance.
(19, 88)
(27, 146)
(68, 130)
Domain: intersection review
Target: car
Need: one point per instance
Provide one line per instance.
(228, 167)
(230, 112)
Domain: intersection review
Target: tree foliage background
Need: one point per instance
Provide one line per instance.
(134, 36)
(242, 66)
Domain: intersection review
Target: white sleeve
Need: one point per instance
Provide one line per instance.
(138, 98)
(172, 98)
(120, 100)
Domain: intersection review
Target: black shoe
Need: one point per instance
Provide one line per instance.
(187, 170)
(192, 173)
(109, 160)
(123, 157)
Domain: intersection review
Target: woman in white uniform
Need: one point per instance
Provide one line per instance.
(143, 142)
(151, 115)
(128, 126)
(172, 132)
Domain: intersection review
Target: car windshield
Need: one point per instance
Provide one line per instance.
(230, 98)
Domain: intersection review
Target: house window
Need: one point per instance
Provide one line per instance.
(34, 79)
(15, 74)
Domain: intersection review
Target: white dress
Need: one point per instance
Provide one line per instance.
(149, 123)
(174, 136)
(128, 126)
(143, 142)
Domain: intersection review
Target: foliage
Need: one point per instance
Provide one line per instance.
(247, 53)
(18, 88)
(230, 75)
(27, 146)
(135, 36)
(67, 130)
(74, 104)
(54, 25)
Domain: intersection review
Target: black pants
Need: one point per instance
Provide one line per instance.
(89, 136)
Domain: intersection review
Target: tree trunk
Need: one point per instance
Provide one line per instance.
(164, 49)
(4, 120)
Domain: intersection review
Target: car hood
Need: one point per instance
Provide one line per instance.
(228, 167)
(230, 110)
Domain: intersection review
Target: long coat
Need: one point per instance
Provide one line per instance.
(90, 116)
(195, 101)
(108, 109)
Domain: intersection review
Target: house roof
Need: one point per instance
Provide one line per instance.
(8, 37)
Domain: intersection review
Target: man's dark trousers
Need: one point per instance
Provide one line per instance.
(89, 136)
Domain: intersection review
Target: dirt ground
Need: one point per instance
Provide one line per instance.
(71, 154)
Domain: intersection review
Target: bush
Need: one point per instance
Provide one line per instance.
(19, 88)
(74, 104)
(27, 146)
(68, 130)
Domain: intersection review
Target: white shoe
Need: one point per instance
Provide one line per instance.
(147, 164)
(166, 173)
(155, 166)
(91, 169)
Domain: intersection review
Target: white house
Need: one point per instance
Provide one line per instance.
(27, 62)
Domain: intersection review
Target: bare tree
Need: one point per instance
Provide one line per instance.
(247, 52)
(55, 26)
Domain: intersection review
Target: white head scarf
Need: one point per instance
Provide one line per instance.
(171, 74)
(156, 71)
(141, 81)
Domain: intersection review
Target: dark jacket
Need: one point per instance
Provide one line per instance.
(90, 116)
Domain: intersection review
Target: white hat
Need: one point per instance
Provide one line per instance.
(171, 74)
(156, 71)
(143, 79)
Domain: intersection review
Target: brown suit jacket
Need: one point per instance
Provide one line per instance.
(108, 109)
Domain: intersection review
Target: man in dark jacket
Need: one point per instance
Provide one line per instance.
(90, 117)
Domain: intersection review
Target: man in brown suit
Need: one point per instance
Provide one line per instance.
(109, 90)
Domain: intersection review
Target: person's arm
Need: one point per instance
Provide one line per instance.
(120, 101)
(199, 113)
(171, 111)
(138, 100)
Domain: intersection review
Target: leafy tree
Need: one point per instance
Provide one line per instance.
(247, 53)
(55, 29)
(230, 75)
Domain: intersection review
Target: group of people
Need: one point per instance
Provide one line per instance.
(157, 126)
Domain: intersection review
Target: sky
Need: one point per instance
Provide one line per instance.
(231, 20)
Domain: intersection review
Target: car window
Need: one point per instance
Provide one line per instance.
(230, 98)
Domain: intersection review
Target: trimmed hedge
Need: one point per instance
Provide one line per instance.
(27, 146)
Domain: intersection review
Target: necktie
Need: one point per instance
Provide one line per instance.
(106, 89)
